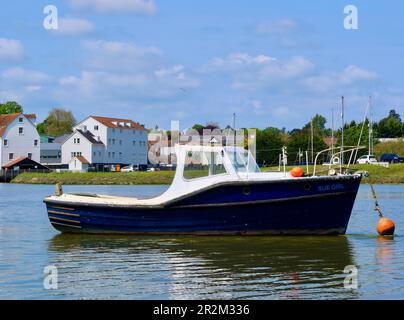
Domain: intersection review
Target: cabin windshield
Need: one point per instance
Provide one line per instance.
(242, 160)
(200, 164)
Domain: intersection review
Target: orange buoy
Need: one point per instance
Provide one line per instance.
(297, 172)
(386, 227)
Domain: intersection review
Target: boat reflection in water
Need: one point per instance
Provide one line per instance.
(202, 267)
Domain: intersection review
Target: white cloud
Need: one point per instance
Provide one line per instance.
(117, 6)
(278, 27)
(115, 55)
(11, 49)
(22, 76)
(73, 26)
(349, 76)
(253, 72)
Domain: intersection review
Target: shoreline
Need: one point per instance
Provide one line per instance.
(377, 175)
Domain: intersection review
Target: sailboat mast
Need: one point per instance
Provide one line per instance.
(312, 142)
(332, 134)
(370, 127)
(342, 132)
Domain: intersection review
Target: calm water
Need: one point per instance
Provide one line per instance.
(106, 267)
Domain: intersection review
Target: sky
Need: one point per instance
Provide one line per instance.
(273, 63)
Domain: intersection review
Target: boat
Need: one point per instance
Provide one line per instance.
(217, 190)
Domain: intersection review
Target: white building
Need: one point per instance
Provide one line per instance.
(79, 164)
(107, 141)
(18, 137)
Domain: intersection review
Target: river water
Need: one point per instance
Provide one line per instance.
(119, 267)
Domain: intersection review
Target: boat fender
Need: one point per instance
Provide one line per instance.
(297, 172)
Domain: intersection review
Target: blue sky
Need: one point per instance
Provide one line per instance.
(274, 63)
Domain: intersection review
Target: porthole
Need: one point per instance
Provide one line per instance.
(307, 186)
(247, 191)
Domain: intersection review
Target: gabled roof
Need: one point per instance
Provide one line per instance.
(119, 123)
(82, 160)
(89, 136)
(13, 163)
(7, 119)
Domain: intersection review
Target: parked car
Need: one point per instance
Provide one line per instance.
(367, 159)
(130, 168)
(391, 158)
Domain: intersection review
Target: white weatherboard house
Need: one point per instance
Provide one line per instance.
(18, 138)
(107, 141)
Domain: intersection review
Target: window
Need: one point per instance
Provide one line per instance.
(95, 128)
(113, 130)
(109, 154)
(242, 160)
(76, 154)
(21, 130)
(134, 143)
(5, 142)
(120, 142)
(113, 141)
(20, 119)
(29, 155)
(10, 156)
(77, 141)
(120, 154)
(35, 143)
(94, 154)
(120, 130)
(113, 154)
(200, 164)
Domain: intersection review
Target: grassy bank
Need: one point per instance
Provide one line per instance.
(378, 175)
(97, 178)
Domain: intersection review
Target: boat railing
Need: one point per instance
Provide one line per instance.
(347, 149)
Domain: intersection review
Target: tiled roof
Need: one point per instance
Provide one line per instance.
(82, 160)
(7, 119)
(13, 162)
(119, 123)
(89, 136)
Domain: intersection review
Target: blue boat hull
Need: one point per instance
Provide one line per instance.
(310, 206)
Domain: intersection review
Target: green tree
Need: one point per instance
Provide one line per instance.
(301, 140)
(390, 127)
(10, 107)
(318, 124)
(269, 144)
(58, 123)
(198, 127)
